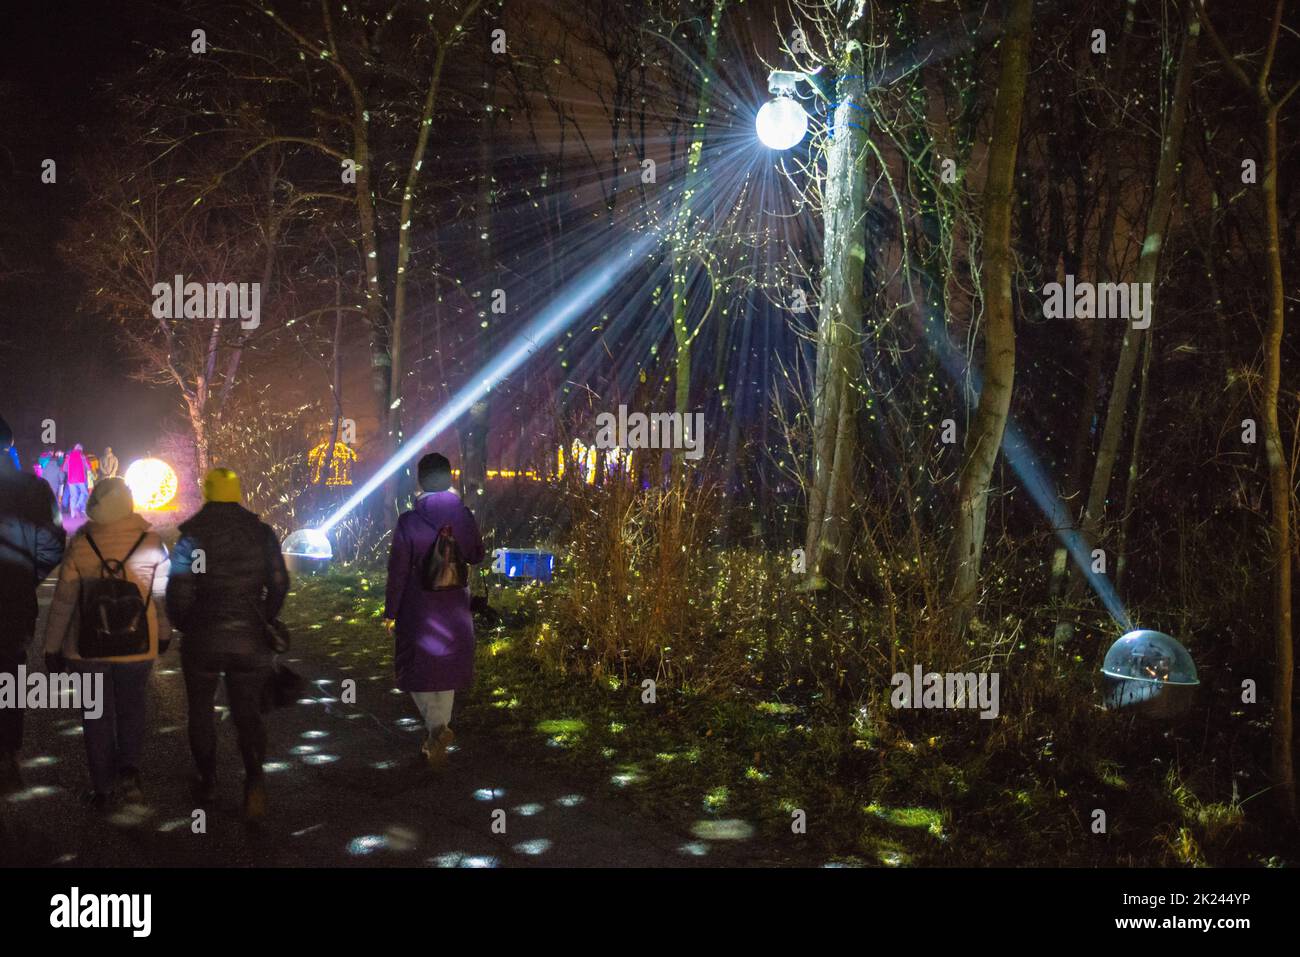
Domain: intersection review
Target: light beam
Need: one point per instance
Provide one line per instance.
(583, 293)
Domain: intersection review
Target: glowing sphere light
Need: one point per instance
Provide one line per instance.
(152, 482)
(781, 123)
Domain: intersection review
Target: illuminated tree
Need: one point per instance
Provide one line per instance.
(999, 363)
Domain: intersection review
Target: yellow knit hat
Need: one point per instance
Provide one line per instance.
(222, 485)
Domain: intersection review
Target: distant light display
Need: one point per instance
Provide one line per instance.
(618, 460)
(340, 467)
(585, 459)
(153, 484)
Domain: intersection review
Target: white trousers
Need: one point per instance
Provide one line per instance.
(435, 708)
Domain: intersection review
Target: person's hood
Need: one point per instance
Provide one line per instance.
(429, 502)
(110, 502)
(133, 523)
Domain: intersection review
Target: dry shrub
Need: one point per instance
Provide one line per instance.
(643, 592)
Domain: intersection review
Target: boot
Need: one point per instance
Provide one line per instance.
(255, 800)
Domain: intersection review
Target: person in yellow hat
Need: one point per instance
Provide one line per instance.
(222, 485)
(228, 583)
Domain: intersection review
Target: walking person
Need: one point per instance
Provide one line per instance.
(228, 583)
(427, 604)
(31, 545)
(110, 464)
(53, 476)
(78, 479)
(115, 643)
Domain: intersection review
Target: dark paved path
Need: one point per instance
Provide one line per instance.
(346, 786)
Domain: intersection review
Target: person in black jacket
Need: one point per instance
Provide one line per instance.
(31, 545)
(228, 583)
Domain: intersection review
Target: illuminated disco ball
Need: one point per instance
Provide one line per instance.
(1150, 673)
(152, 482)
(781, 123)
(307, 550)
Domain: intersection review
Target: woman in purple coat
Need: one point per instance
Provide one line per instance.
(434, 629)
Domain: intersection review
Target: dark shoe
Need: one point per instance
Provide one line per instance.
(131, 791)
(203, 788)
(11, 777)
(255, 800)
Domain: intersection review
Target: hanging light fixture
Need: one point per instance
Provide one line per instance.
(782, 122)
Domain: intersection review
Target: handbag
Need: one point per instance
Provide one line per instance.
(282, 688)
(278, 636)
(276, 633)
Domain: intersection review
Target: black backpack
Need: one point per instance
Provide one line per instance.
(442, 568)
(114, 618)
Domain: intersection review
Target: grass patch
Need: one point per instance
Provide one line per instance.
(875, 788)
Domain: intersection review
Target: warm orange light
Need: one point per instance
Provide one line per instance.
(152, 482)
(340, 465)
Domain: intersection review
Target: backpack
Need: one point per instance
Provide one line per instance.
(114, 619)
(442, 568)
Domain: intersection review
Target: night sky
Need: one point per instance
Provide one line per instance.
(54, 361)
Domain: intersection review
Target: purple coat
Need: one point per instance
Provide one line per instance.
(435, 629)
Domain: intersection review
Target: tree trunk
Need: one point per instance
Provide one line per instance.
(1134, 467)
(1162, 198)
(999, 364)
(1148, 272)
(1279, 481)
(839, 326)
(681, 271)
(1279, 473)
(396, 322)
(1105, 271)
(474, 432)
(381, 359)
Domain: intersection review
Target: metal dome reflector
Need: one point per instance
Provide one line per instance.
(307, 549)
(1151, 672)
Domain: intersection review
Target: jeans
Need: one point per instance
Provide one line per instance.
(79, 496)
(114, 739)
(246, 677)
(435, 708)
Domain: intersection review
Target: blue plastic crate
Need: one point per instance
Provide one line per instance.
(527, 563)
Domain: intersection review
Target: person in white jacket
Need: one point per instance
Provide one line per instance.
(114, 740)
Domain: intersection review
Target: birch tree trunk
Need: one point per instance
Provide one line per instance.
(839, 326)
(999, 364)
